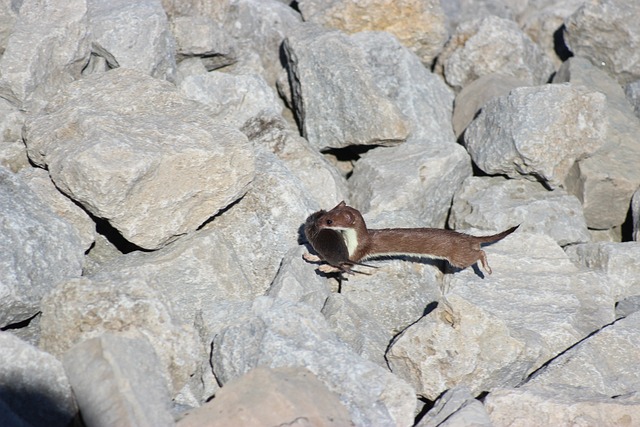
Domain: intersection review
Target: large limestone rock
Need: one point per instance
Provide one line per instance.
(496, 203)
(38, 249)
(562, 124)
(34, 389)
(492, 45)
(82, 309)
(336, 101)
(130, 149)
(117, 382)
(278, 333)
(149, 49)
(607, 32)
(605, 181)
(48, 48)
(419, 25)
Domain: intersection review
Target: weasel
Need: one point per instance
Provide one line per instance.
(329, 245)
(459, 249)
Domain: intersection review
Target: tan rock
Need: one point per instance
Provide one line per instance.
(267, 397)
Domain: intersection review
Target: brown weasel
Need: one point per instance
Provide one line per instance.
(329, 245)
(459, 249)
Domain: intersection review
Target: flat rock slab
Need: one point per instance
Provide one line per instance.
(129, 148)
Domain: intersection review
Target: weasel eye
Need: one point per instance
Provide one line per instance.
(329, 221)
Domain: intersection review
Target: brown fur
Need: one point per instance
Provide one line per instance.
(459, 249)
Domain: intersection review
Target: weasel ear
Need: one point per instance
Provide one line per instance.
(342, 204)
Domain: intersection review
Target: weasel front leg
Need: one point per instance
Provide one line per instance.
(309, 257)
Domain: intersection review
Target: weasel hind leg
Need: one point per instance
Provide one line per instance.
(483, 260)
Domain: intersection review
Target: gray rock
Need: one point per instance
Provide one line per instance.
(203, 262)
(264, 225)
(605, 32)
(560, 407)
(336, 101)
(149, 49)
(322, 181)
(38, 249)
(459, 11)
(40, 183)
(496, 203)
(418, 177)
(563, 124)
(627, 306)
(635, 215)
(8, 17)
(499, 336)
(82, 309)
(605, 181)
(279, 333)
(422, 97)
(33, 386)
(543, 21)
(606, 363)
(169, 167)
(296, 281)
(288, 396)
(203, 38)
(234, 99)
(116, 382)
(456, 408)
(473, 96)
(13, 153)
(619, 261)
(632, 92)
(423, 27)
(492, 45)
(48, 48)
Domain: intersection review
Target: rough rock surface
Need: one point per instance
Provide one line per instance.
(563, 124)
(497, 203)
(606, 32)
(167, 165)
(419, 25)
(278, 333)
(288, 396)
(195, 137)
(116, 382)
(492, 45)
(38, 249)
(34, 389)
(82, 309)
(330, 114)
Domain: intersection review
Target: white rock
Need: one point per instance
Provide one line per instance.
(496, 203)
(38, 249)
(418, 177)
(150, 48)
(336, 101)
(40, 183)
(116, 382)
(492, 45)
(562, 124)
(130, 149)
(605, 32)
(606, 180)
(33, 385)
(82, 309)
(278, 333)
(544, 406)
(48, 48)
(619, 261)
(456, 408)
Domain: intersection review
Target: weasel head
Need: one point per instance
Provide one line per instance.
(341, 217)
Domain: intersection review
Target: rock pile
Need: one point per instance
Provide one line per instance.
(159, 157)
